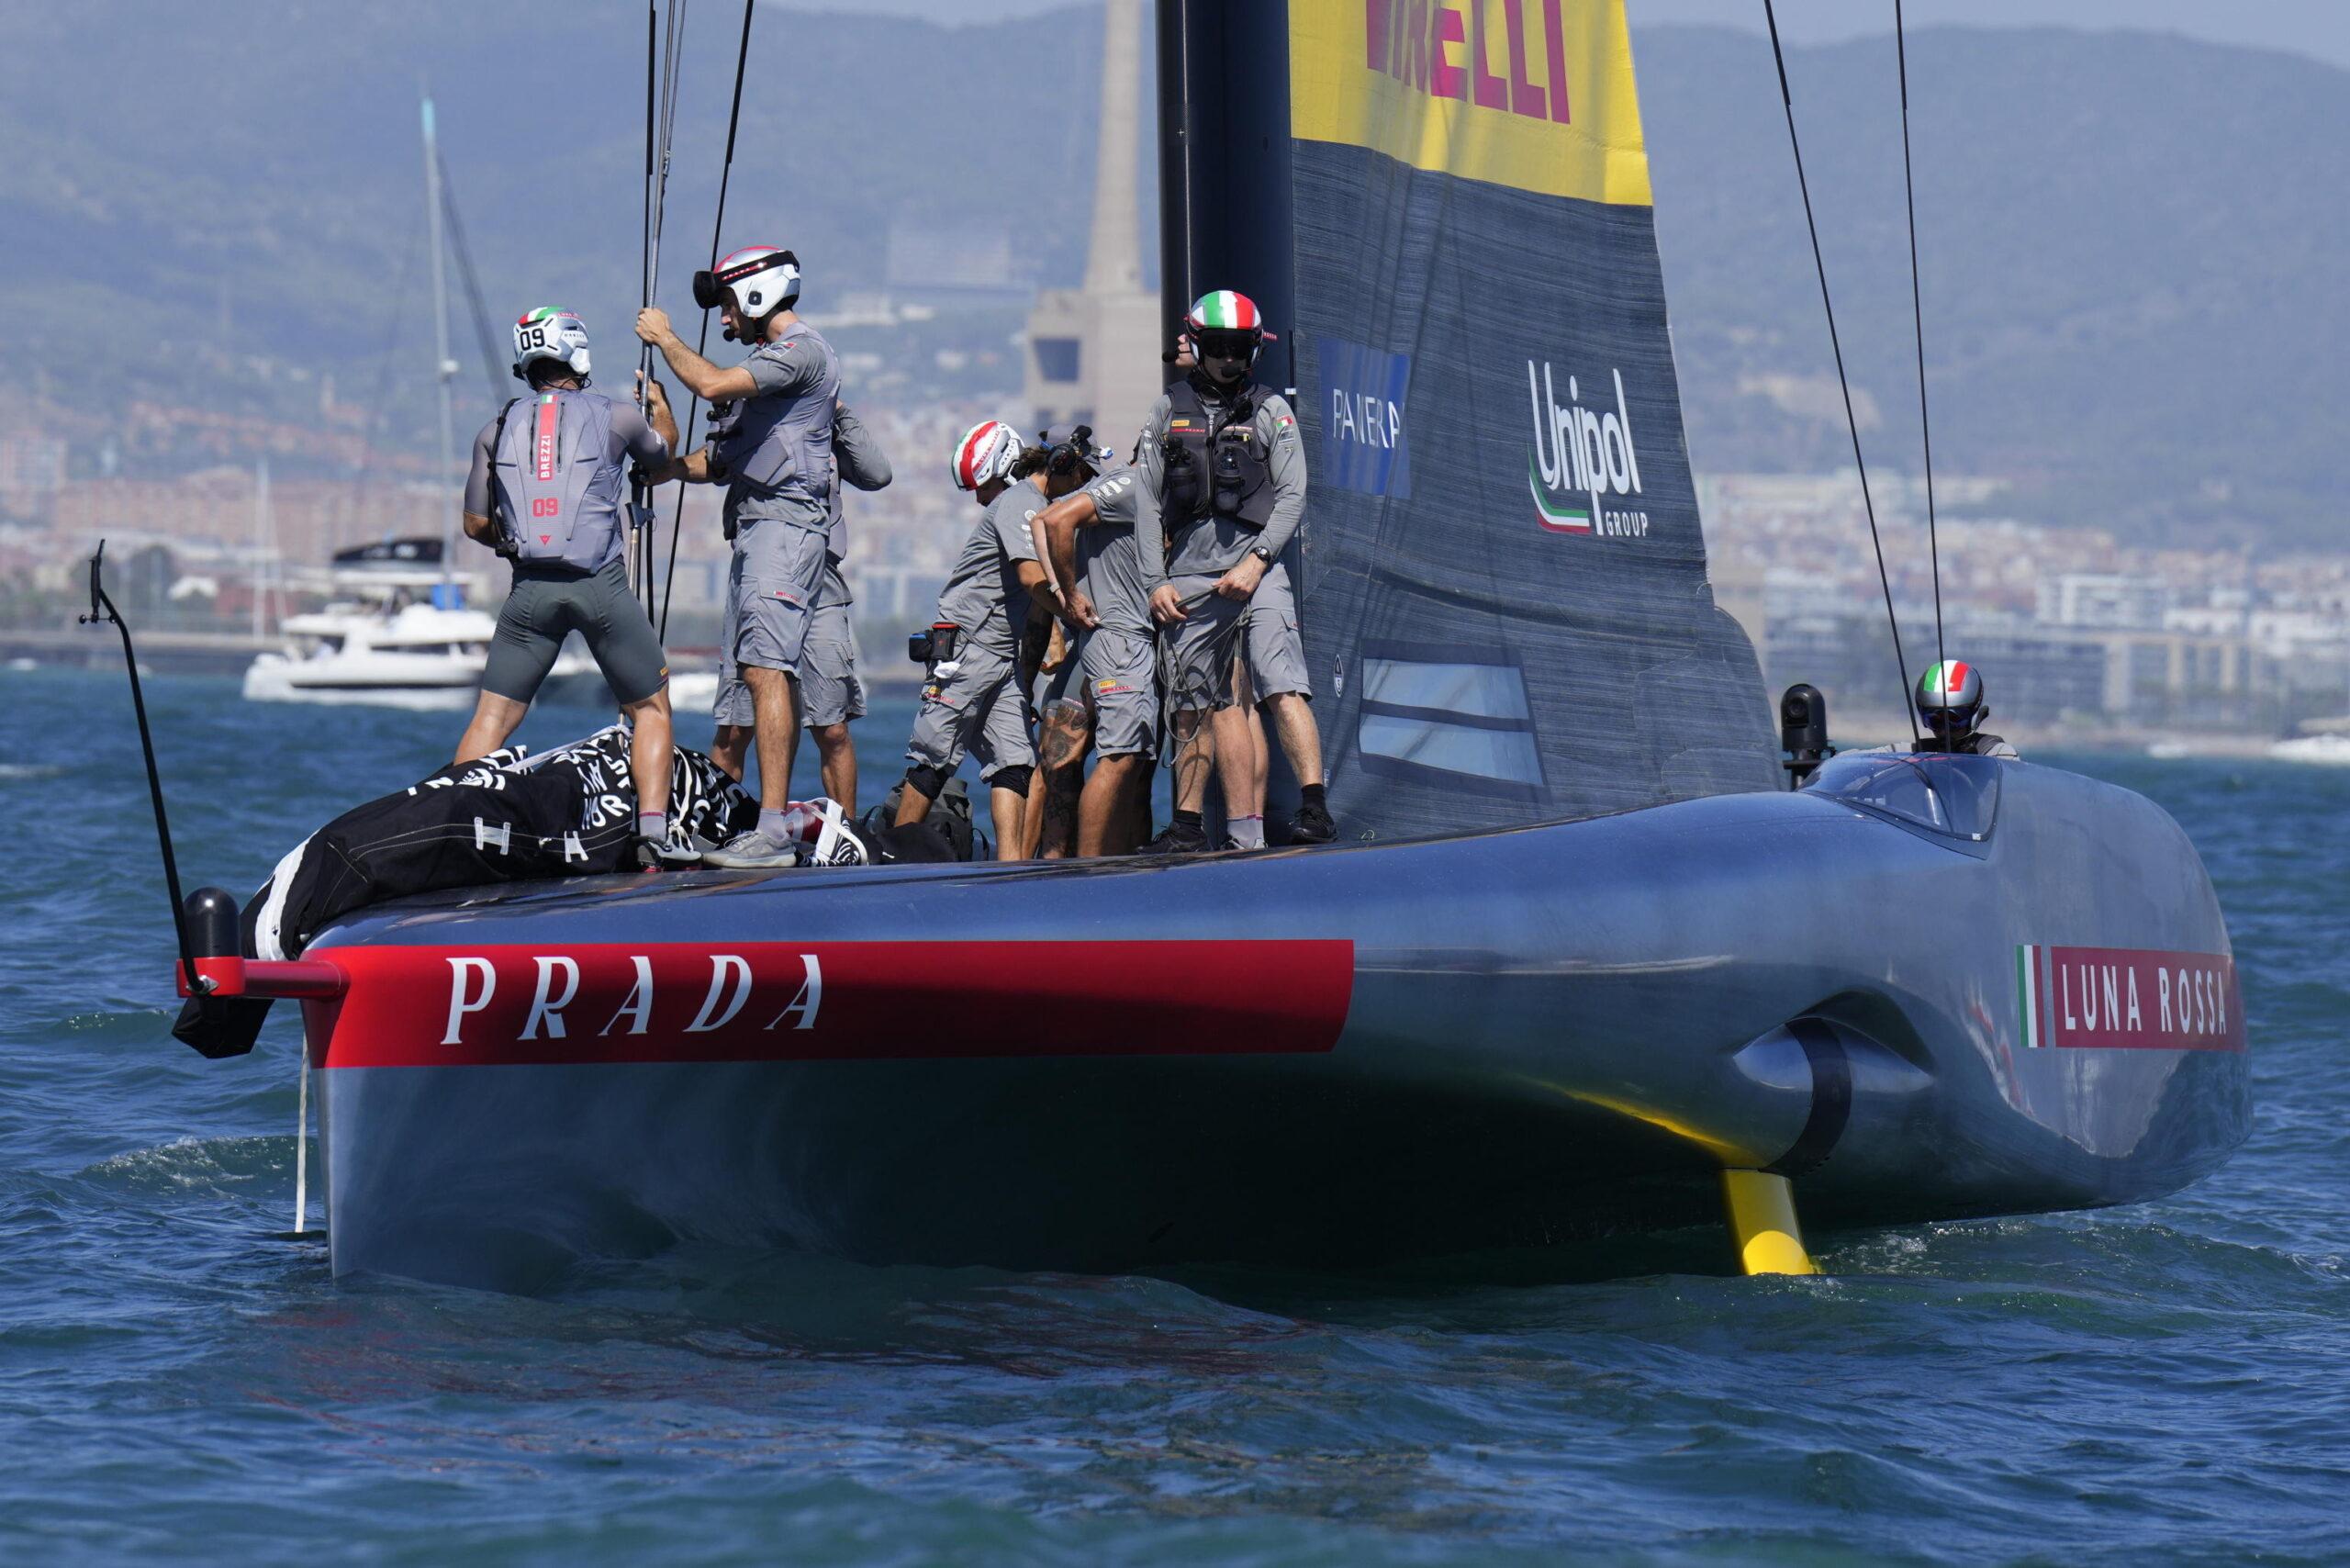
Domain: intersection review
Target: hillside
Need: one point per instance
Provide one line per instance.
(2129, 251)
(2128, 239)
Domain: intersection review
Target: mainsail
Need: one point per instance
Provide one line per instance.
(1503, 588)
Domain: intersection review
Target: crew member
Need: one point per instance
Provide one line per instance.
(544, 492)
(974, 701)
(771, 446)
(1103, 540)
(1950, 705)
(831, 691)
(1222, 456)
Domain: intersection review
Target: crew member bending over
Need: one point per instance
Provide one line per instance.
(1222, 456)
(544, 492)
(1951, 706)
(831, 692)
(771, 445)
(974, 701)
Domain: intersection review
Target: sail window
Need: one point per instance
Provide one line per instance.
(1954, 795)
(1459, 713)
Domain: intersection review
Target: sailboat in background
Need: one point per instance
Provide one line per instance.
(400, 631)
(1585, 967)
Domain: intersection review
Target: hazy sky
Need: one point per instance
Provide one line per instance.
(2316, 28)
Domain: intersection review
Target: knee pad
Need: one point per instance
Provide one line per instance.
(1014, 778)
(927, 780)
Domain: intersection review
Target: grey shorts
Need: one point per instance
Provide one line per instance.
(1121, 675)
(542, 611)
(978, 709)
(771, 587)
(1275, 650)
(831, 691)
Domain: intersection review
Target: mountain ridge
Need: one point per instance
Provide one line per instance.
(2124, 237)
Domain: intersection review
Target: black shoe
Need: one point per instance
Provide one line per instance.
(1312, 825)
(1179, 838)
(659, 855)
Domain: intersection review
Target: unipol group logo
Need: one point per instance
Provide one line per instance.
(1583, 461)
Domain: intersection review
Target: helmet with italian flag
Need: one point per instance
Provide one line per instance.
(1226, 325)
(1950, 697)
(985, 454)
(550, 333)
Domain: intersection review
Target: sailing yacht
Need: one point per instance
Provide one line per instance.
(401, 632)
(1583, 965)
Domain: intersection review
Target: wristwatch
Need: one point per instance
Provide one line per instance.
(1262, 554)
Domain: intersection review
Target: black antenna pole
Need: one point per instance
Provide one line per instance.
(701, 339)
(1918, 315)
(102, 610)
(1842, 381)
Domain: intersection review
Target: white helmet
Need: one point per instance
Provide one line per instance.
(763, 279)
(550, 333)
(986, 454)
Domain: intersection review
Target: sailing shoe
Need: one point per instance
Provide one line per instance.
(1179, 838)
(660, 855)
(1313, 825)
(752, 850)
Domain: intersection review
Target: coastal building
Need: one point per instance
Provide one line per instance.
(1093, 351)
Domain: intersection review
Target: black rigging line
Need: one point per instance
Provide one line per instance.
(644, 283)
(1842, 381)
(664, 56)
(473, 290)
(701, 340)
(1918, 315)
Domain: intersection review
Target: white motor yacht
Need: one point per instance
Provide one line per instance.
(375, 645)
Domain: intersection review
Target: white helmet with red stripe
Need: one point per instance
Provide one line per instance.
(763, 280)
(1950, 697)
(550, 333)
(986, 454)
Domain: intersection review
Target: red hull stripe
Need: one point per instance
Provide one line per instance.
(478, 1006)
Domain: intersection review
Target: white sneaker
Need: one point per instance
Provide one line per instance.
(752, 850)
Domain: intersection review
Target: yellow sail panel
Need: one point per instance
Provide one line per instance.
(1536, 95)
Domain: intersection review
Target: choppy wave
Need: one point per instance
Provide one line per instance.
(176, 1375)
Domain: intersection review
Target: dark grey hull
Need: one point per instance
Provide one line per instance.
(1540, 1037)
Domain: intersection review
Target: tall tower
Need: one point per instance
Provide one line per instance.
(1093, 351)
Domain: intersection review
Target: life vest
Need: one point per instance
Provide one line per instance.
(783, 446)
(1230, 475)
(554, 485)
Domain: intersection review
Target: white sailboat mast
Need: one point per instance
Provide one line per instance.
(446, 368)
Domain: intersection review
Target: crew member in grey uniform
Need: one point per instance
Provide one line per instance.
(771, 433)
(1095, 539)
(544, 492)
(1951, 704)
(831, 692)
(974, 701)
(1223, 458)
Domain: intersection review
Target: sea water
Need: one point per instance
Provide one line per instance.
(180, 1378)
